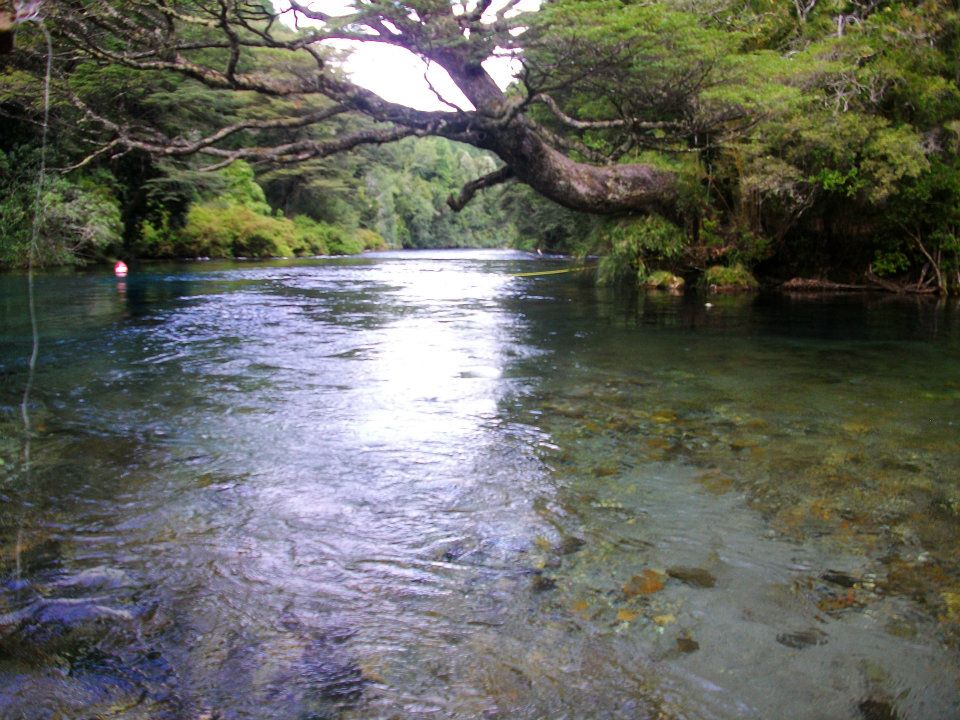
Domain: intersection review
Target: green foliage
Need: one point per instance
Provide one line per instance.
(408, 191)
(78, 220)
(241, 188)
(235, 220)
(229, 229)
(370, 239)
(157, 238)
(886, 264)
(310, 237)
(664, 280)
(724, 278)
(817, 135)
(17, 173)
(922, 225)
(544, 225)
(633, 243)
(637, 51)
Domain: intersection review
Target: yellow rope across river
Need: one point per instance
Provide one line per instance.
(550, 272)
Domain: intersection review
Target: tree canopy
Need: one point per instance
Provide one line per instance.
(643, 72)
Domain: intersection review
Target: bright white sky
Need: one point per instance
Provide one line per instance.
(397, 75)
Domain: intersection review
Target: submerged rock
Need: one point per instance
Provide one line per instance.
(647, 583)
(697, 577)
(602, 471)
(323, 681)
(541, 583)
(71, 612)
(838, 577)
(570, 545)
(64, 614)
(96, 578)
(803, 638)
(455, 552)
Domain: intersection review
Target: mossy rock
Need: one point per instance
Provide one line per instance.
(735, 278)
(664, 280)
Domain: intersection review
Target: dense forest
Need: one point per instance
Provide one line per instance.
(721, 140)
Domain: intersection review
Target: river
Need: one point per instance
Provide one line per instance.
(420, 485)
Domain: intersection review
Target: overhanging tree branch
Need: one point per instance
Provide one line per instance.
(497, 177)
(219, 43)
(179, 146)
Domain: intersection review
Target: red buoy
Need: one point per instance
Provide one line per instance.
(120, 269)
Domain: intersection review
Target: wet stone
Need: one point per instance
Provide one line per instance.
(901, 628)
(551, 563)
(687, 645)
(92, 579)
(71, 613)
(803, 638)
(836, 604)
(840, 578)
(697, 577)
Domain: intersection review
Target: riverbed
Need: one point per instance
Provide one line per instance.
(426, 485)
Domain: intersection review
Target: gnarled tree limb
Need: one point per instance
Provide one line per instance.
(210, 41)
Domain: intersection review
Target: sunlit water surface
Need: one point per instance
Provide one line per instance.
(418, 486)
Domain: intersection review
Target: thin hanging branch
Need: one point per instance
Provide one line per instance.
(632, 123)
(497, 177)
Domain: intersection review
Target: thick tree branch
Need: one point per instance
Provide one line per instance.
(213, 42)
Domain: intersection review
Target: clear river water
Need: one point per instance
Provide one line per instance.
(422, 485)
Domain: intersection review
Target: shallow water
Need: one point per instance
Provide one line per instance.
(413, 485)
